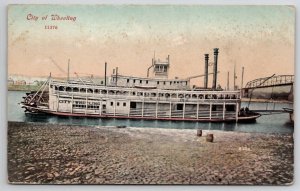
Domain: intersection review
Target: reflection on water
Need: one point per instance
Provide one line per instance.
(277, 123)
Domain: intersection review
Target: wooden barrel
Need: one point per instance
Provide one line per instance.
(210, 138)
(199, 132)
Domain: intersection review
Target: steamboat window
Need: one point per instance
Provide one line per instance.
(124, 104)
(111, 103)
(179, 106)
(164, 83)
(140, 81)
(133, 81)
(118, 103)
(146, 81)
(157, 82)
(133, 105)
(230, 107)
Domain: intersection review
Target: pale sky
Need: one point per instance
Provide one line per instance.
(260, 38)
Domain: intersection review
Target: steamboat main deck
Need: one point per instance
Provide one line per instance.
(75, 99)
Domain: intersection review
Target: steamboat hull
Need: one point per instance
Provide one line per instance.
(241, 119)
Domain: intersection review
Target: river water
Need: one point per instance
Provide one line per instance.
(275, 123)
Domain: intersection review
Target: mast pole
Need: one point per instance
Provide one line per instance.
(228, 81)
(68, 69)
(105, 68)
(234, 77)
(242, 83)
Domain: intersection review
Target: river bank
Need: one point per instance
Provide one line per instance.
(64, 154)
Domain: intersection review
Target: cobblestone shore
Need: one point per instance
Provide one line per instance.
(61, 154)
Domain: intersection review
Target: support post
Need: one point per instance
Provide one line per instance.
(210, 108)
(224, 108)
(72, 103)
(143, 107)
(100, 108)
(197, 111)
(183, 112)
(156, 108)
(237, 112)
(86, 105)
(57, 103)
(115, 108)
(170, 110)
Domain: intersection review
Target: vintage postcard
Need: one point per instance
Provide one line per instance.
(151, 94)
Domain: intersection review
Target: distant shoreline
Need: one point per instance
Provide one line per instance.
(22, 87)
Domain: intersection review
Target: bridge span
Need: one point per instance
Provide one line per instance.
(278, 87)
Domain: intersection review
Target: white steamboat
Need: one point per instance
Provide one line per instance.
(156, 98)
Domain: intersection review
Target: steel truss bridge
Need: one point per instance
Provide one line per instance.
(279, 80)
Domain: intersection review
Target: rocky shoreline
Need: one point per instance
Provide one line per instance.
(40, 153)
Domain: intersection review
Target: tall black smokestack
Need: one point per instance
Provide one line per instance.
(206, 71)
(216, 52)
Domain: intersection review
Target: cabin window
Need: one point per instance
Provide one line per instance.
(124, 104)
(118, 103)
(170, 83)
(164, 83)
(132, 105)
(133, 81)
(146, 81)
(101, 82)
(140, 81)
(214, 108)
(230, 107)
(111, 103)
(127, 80)
(157, 82)
(179, 106)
